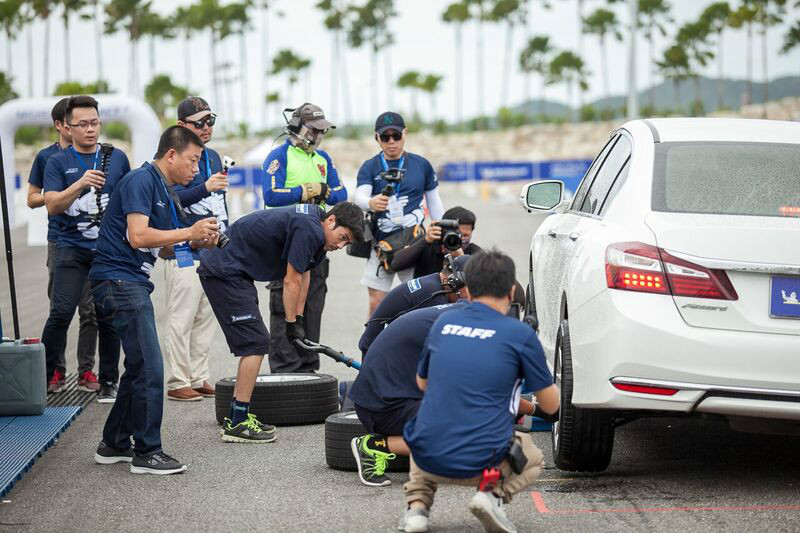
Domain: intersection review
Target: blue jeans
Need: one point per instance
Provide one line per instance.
(140, 401)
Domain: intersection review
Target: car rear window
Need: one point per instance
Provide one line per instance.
(727, 178)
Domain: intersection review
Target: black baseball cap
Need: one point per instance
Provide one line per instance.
(312, 115)
(389, 121)
(192, 105)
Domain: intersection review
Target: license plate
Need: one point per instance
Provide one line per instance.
(784, 297)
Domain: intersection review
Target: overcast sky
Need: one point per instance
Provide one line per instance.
(423, 43)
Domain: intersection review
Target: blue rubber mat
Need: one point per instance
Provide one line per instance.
(23, 439)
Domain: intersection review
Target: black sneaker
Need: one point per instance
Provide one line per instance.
(248, 431)
(108, 455)
(266, 428)
(158, 463)
(108, 392)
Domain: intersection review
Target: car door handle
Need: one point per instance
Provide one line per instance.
(574, 235)
(551, 233)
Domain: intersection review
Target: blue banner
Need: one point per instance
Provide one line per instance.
(570, 171)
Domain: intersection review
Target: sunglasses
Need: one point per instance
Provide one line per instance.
(395, 136)
(208, 119)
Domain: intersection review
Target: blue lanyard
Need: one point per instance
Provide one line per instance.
(80, 161)
(169, 199)
(208, 164)
(386, 165)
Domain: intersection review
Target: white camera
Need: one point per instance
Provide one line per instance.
(227, 162)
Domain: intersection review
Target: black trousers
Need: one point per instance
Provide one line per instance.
(283, 357)
(71, 274)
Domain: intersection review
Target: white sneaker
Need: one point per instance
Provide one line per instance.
(488, 508)
(414, 521)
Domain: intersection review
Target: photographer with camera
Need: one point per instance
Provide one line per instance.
(391, 187)
(428, 291)
(298, 172)
(190, 320)
(470, 369)
(78, 182)
(451, 235)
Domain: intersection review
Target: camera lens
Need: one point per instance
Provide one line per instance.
(451, 240)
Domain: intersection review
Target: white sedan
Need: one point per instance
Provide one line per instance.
(671, 282)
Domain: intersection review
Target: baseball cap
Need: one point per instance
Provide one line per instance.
(389, 121)
(313, 116)
(192, 105)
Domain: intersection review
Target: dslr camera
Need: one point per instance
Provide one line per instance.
(451, 237)
(393, 176)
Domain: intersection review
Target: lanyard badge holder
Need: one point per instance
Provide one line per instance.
(393, 176)
(183, 252)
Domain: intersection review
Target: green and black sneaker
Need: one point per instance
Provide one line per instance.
(266, 428)
(371, 462)
(248, 431)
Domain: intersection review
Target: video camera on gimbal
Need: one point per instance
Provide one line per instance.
(393, 176)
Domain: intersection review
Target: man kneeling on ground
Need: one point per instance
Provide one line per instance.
(471, 367)
(272, 245)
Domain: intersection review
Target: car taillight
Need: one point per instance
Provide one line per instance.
(645, 389)
(635, 266)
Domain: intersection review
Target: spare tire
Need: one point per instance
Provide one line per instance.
(340, 430)
(284, 399)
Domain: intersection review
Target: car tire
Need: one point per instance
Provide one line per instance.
(340, 429)
(284, 399)
(583, 439)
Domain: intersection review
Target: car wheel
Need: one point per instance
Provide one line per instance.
(583, 439)
(284, 399)
(340, 429)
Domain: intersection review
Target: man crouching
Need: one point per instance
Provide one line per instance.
(471, 370)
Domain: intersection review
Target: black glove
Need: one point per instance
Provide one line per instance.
(295, 330)
(546, 417)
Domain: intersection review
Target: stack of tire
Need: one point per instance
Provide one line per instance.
(284, 399)
(340, 429)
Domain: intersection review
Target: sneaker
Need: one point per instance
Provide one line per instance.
(371, 463)
(158, 463)
(108, 392)
(88, 382)
(108, 455)
(266, 428)
(248, 431)
(414, 521)
(488, 508)
(184, 394)
(56, 383)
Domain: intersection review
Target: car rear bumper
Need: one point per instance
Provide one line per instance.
(627, 337)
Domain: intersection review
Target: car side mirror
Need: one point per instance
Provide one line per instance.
(542, 196)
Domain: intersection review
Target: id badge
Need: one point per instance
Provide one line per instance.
(395, 210)
(183, 255)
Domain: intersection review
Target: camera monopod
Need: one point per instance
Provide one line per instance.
(337, 356)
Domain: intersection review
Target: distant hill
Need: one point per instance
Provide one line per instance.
(663, 95)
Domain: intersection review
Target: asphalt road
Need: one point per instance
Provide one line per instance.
(666, 475)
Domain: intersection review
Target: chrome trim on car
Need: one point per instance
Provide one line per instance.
(703, 387)
(740, 266)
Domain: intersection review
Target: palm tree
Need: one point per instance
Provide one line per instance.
(674, 66)
(240, 22)
(155, 27)
(265, 7)
(290, 63)
(335, 21)
(430, 84)
(693, 37)
(411, 80)
(43, 9)
(183, 19)
(457, 14)
(530, 16)
(716, 18)
(569, 69)
(479, 12)
(513, 12)
(162, 94)
(269, 100)
(601, 23)
(69, 7)
(653, 16)
(792, 38)
(744, 16)
(768, 13)
(369, 25)
(534, 58)
(97, 16)
(128, 14)
(12, 16)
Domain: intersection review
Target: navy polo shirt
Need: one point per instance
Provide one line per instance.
(412, 294)
(387, 378)
(264, 242)
(141, 191)
(36, 178)
(419, 178)
(65, 168)
(474, 360)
